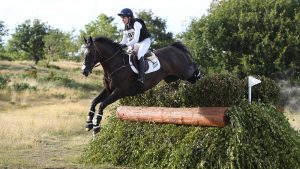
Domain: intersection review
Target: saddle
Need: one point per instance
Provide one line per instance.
(134, 59)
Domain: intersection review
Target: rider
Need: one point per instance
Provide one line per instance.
(137, 36)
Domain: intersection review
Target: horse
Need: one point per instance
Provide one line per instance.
(119, 79)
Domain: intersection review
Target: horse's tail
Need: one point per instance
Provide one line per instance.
(196, 75)
(180, 46)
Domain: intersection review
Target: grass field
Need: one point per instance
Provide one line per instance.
(42, 113)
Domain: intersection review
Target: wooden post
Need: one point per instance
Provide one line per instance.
(203, 116)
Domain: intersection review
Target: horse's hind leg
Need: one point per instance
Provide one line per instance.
(97, 99)
(112, 97)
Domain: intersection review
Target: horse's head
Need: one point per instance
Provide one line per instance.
(102, 50)
(90, 57)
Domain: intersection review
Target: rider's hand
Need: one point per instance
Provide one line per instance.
(123, 46)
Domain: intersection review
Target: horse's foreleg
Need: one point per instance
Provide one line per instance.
(97, 99)
(115, 95)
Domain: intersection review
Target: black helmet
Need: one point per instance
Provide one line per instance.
(126, 12)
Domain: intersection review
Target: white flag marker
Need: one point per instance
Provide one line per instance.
(251, 82)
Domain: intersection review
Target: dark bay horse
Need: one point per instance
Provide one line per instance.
(120, 81)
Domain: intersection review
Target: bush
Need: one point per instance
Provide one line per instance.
(163, 94)
(258, 136)
(267, 91)
(4, 79)
(213, 90)
(67, 82)
(23, 86)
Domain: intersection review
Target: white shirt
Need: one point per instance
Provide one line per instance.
(132, 36)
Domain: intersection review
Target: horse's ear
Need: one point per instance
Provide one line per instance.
(85, 41)
(91, 40)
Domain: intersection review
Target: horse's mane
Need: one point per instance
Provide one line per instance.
(106, 40)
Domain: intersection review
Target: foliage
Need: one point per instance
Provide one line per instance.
(28, 39)
(4, 79)
(212, 90)
(258, 136)
(267, 91)
(157, 27)
(247, 37)
(23, 86)
(59, 44)
(3, 32)
(64, 80)
(103, 26)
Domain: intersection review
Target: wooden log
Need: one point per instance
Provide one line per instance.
(203, 116)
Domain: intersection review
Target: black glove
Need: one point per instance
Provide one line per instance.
(123, 46)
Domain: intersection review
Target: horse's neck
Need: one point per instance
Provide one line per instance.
(113, 63)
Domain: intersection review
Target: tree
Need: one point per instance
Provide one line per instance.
(250, 37)
(157, 28)
(3, 32)
(103, 26)
(28, 38)
(58, 44)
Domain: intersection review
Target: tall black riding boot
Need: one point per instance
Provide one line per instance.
(141, 70)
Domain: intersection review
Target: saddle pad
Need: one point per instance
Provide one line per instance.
(153, 62)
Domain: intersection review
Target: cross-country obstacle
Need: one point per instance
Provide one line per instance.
(203, 116)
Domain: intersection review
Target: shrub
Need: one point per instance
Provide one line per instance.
(4, 79)
(163, 94)
(23, 86)
(267, 91)
(213, 90)
(64, 80)
(258, 136)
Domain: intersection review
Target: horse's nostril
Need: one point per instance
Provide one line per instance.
(85, 72)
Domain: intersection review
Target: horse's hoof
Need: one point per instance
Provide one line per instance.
(88, 126)
(96, 130)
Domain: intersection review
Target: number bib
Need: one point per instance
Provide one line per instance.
(129, 33)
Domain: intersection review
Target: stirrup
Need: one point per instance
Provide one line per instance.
(140, 80)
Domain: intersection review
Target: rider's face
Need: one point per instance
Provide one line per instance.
(125, 20)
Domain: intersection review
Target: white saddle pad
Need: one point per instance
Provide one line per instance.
(153, 62)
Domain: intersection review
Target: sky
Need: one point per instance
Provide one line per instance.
(67, 15)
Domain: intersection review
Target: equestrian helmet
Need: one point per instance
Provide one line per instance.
(126, 12)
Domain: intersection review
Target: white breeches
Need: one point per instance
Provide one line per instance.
(142, 47)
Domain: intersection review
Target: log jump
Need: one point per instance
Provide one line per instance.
(203, 116)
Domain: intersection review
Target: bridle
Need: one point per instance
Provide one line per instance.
(98, 63)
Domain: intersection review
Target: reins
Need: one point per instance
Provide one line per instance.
(115, 54)
(99, 63)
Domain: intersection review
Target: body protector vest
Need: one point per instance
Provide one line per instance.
(129, 30)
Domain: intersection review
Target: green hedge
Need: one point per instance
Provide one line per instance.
(267, 91)
(258, 136)
(213, 90)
